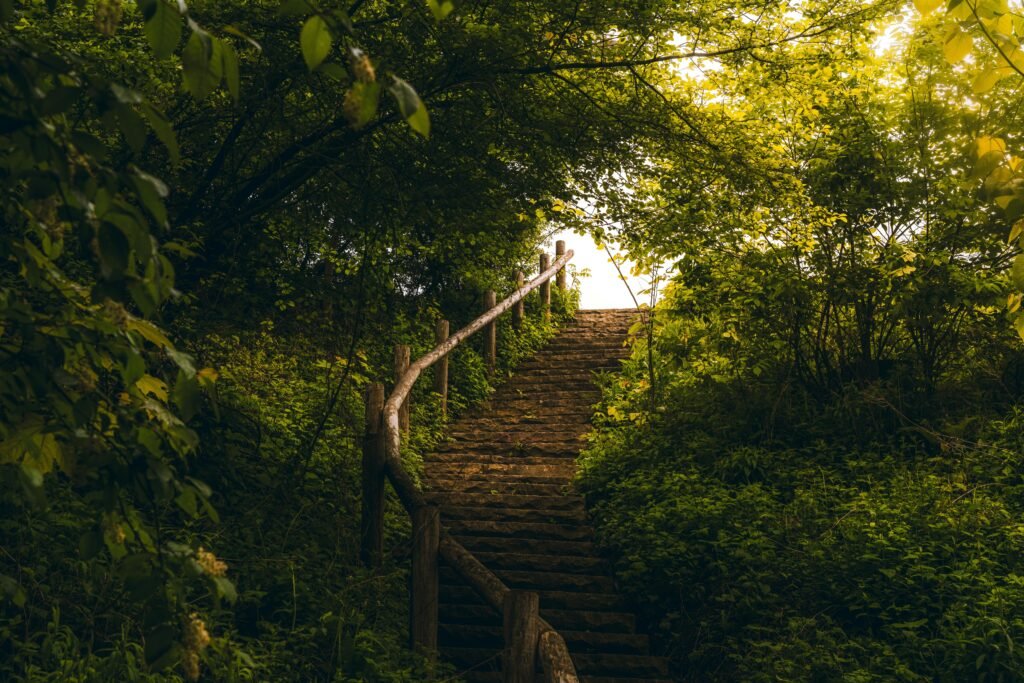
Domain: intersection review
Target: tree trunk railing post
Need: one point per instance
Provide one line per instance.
(521, 616)
(423, 613)
(559, 253)
(441, 368)
(545, 289)
(371, 549)
(491, 335)
(401, 365)
(518, 311)
(431, 542)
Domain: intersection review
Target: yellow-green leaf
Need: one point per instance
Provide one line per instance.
(152, 385)
(985, 81)
(315, 40)
(1015, 231)
(411, 106)
(927, 6)
(442, 8)
(1017, 272)
(149, 331)
(958, 44)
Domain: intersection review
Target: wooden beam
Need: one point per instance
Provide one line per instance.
(490, 335)
(401, 366)
(441, 368)
(518, 310)
(371, 549)
(426, 536)
(522, 629)
(559, 253)
(545, 289)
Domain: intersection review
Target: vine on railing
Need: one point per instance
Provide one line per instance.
(528, 638)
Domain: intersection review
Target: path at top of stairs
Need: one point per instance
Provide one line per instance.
(502, 483)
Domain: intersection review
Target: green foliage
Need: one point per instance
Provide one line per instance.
(96, 399)
(898, 559)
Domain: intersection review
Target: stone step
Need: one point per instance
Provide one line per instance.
(521, 448)
(544, 562)
(572, 366)
(527, 412)
(492, 481)
(530, 384)
(629, 666)
(539, 399)
(549, 599)
(526, 546)
(506, 501)
(485, 636)
(511, 438)
(571, 620)
(578, 420)
(573, 357)
(620, 665)
(495, 458)
(504, 487)
(575, 515)
(548, 581)
(498, 677)
(563, 468)
(525, 530)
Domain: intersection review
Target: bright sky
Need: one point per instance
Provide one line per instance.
(603, 289)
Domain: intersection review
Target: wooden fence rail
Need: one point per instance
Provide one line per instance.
(529, 640)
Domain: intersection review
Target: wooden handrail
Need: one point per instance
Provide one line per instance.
(552, 650)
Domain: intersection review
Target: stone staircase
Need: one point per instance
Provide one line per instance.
(502, 485)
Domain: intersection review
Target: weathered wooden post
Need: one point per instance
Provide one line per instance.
(522, 629)
(491, 335)
(401, 365)
(426, 537)
(441, 367)
(518, 310)
(559, 253)
(545, 289)
(371, 549)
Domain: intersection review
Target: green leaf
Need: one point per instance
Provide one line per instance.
(411, 106)
(114, 248)
(163, 130)
(132, 127)
(293, 8)
(927, 6)
(985, 81)
(315, 40)
(229, 61)
(201, 63)
(186, 395)
(957, 45)
(225, 589)
(1017, 272)
(163, 27)
(445, 7)
(151, 192)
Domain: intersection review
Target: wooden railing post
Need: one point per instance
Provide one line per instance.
(371, 549)
(441, 369)
(545, 289)
(490, 335)
(426, 538)
(522, 629)
(519, 310)
(401, 365)
(559, 253)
